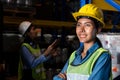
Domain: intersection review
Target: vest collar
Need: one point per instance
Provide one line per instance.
(78, 59)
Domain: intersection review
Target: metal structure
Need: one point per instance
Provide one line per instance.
(108, 6)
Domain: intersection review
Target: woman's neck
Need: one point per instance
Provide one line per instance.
(87, 46)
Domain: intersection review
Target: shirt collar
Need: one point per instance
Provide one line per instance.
(90, 51)
(78, 59)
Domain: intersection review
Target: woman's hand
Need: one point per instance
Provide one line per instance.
(52, 49)
(62, 75)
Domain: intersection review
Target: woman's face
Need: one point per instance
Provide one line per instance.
(86, 30)
(33, 32)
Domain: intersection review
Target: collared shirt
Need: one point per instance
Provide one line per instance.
(102, 68)
(29, 60)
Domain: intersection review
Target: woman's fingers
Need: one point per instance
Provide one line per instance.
(62, 75)
(55, 43)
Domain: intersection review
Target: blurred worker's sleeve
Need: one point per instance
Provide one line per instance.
(30, 59)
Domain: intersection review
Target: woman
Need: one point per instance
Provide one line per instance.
(31, 58)
(90, 61)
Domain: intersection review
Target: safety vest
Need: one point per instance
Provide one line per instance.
(83, 71)
(38, 72)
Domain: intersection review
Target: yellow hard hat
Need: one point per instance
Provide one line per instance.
(92, 11)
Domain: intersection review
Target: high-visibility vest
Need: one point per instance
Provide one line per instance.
(83, 71)
(38, 72)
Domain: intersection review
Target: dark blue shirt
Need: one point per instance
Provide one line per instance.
(102, 68)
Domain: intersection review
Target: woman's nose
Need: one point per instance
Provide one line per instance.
(82, 29)
(38, 31)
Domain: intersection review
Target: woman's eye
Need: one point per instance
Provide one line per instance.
(88, 25)
(85, 24)
(34, 28)
(77, 25)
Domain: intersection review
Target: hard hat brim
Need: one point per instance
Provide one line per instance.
(77, 14)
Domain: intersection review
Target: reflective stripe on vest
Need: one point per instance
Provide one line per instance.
(76, 76)
(82, 71)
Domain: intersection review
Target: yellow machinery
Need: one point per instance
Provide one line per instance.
(111, 5)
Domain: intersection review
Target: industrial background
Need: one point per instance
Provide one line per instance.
(55, 19)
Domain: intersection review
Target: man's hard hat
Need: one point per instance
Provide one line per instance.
(24, 26)
(90, 10)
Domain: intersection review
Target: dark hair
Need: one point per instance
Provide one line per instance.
(27, 39)
(99, 42)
